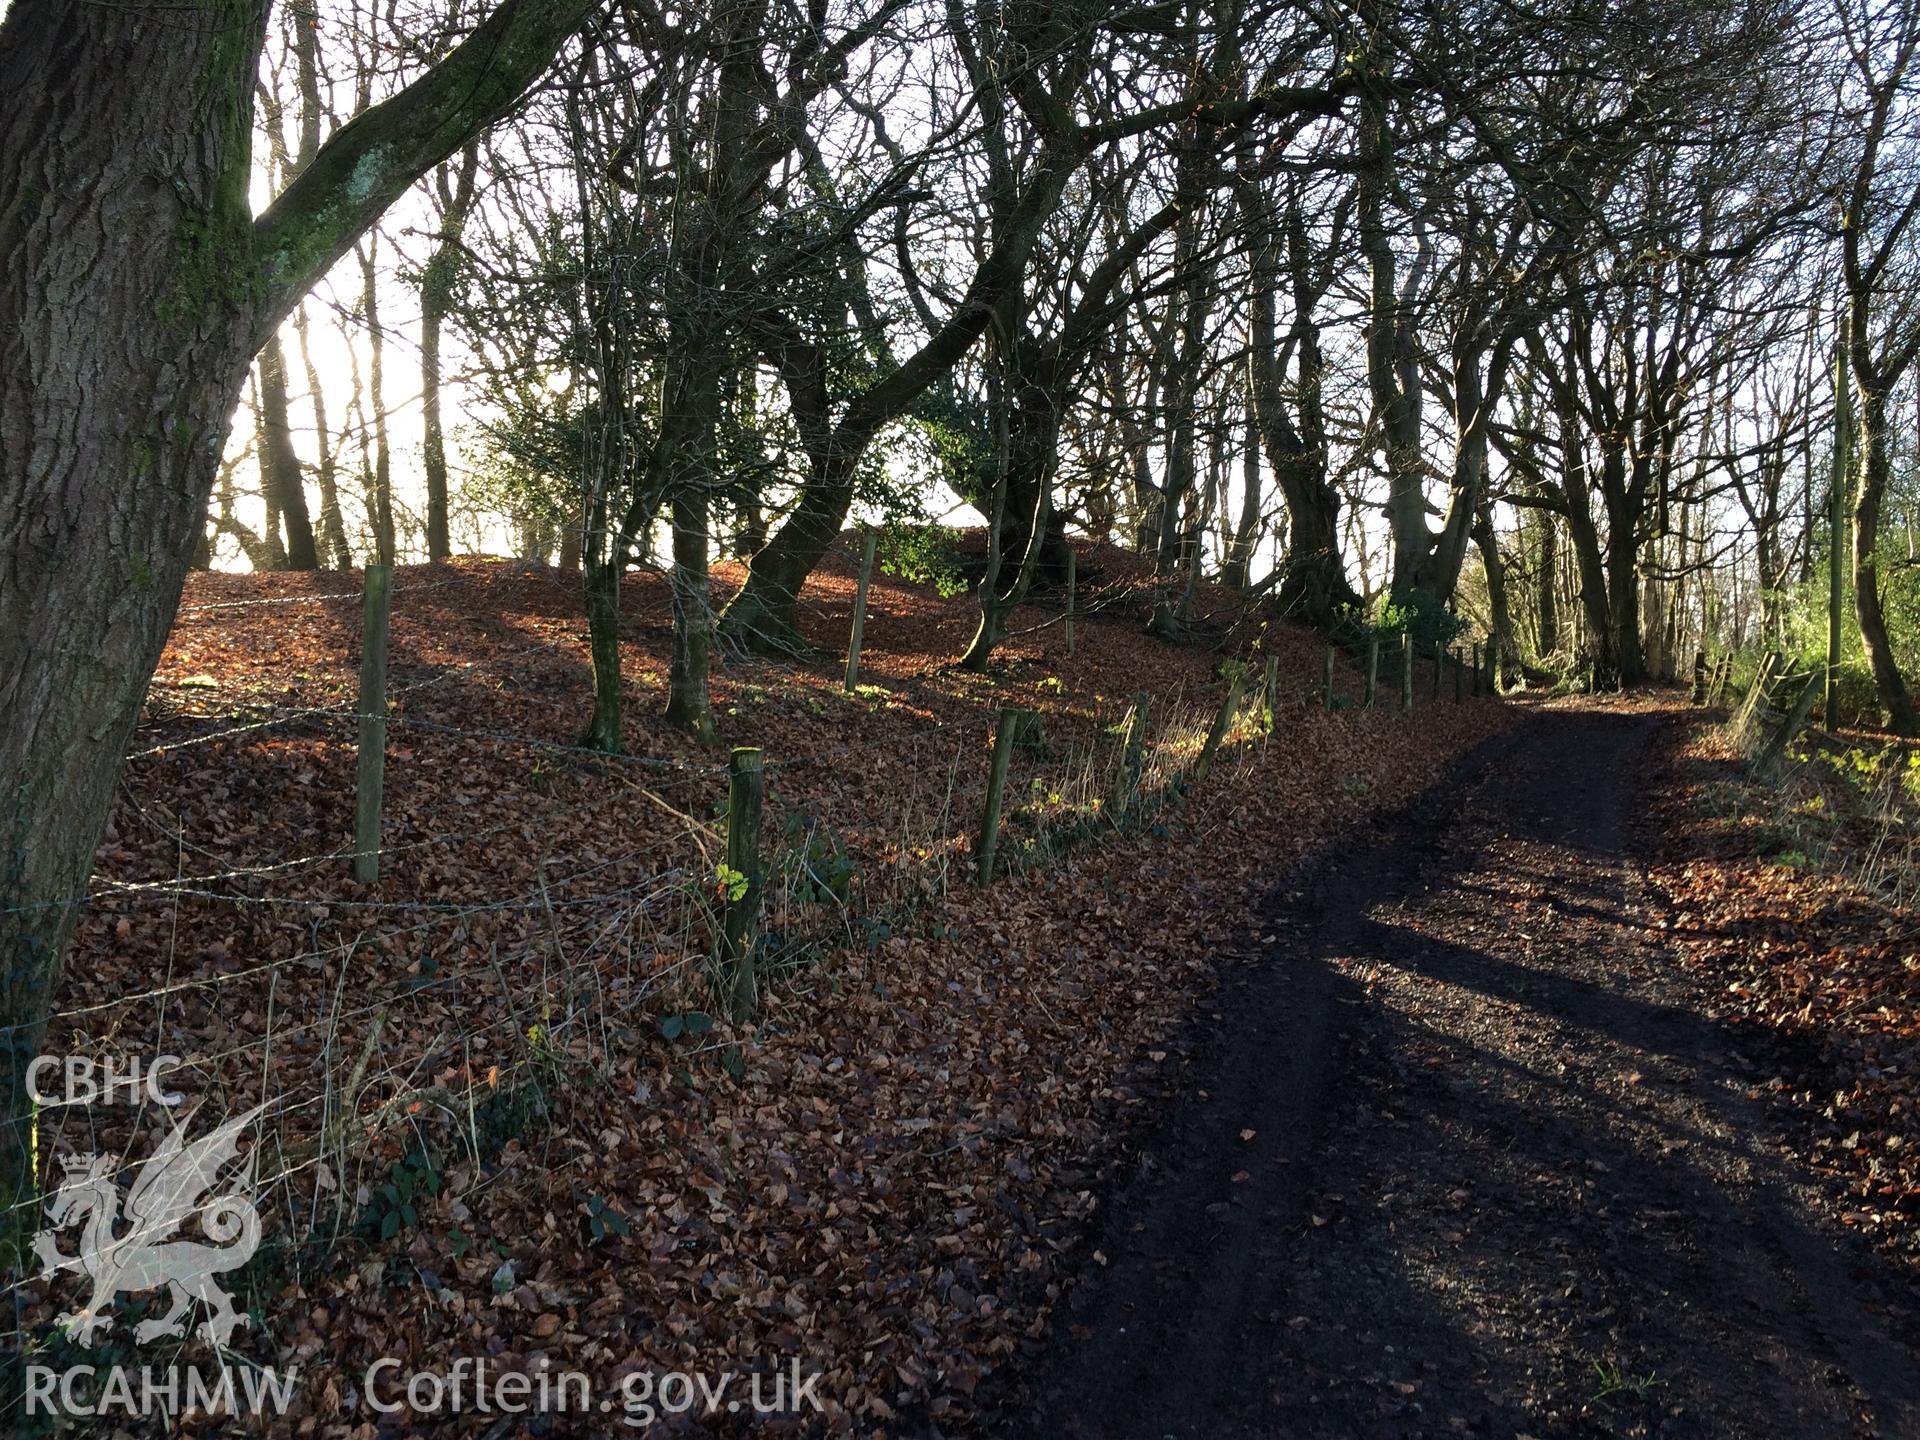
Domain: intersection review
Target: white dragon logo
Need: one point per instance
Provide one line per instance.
(165, 1194)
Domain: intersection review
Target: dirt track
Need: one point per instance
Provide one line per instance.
(1463, 1158)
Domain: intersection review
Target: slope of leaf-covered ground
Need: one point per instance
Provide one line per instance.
(506, 1122)
(1817, 968)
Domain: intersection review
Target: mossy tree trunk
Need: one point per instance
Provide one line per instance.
(1877, 220)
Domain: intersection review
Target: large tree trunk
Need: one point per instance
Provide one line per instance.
(688, 481)
(113, 414)
(687, 704)
(1623, 615)
(1237, 569)
(1030, 453)
(1506, 649)
(1547, 586)
(1595, 613)
(1313, 583)
(436, 297)
(1623, 571)
(1180, 367)
(1393, 372)
(1875, 471)
(1654, 654)
(1032, 468)
(272, 550)
(379, 477)
(137, 289)
(1439, 574)
(280, 476)
(762, 614)
(1590, 565)
(1178, 499)
(333, 529)
(603, 730)
(433, 314)
(1146, 495)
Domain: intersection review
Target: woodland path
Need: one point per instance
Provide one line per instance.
(1465, 1158)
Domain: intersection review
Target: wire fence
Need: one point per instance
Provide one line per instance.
(236, 884)
(280, 600)
(588, 945)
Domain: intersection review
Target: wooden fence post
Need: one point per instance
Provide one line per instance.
(1009, 726)
(746, 775)
(1329, 684)
(1776, 746)
(1457, 667)
(1073, 558)
(1773, 669)
(1373, 668)
(1699, 677)
(1133, 747)
(1476, 667)
(1406, 671)
(859, 612)
(1438, 651)
(1217, 732)
(371, 749)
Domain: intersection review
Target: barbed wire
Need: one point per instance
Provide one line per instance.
(337, 1018)
(444, 911)
(372, 1006)
(444, 1098)
(399, 593)
(238, 872)
(660, 885)
(287, 714)
(190, 886)
(284, 717)
(675, 768)
(330, 902)
(448, 1102)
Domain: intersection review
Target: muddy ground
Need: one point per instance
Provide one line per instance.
(1463, 1155)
